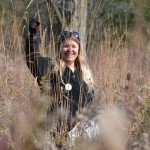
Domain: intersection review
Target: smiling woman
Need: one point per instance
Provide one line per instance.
(69, 52)
(71, 81)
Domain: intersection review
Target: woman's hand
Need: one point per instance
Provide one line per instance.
(33, 25)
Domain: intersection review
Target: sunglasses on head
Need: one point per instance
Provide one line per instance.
(69, 34)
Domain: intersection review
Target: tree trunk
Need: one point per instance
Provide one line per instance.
(79, 20)
(72, 15)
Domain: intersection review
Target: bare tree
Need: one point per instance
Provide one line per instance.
(72, 15)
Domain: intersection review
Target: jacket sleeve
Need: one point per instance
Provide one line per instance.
(33, 39)
(32, 45)
(32, 52)
(37, 64)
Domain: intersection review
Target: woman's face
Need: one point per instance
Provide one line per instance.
(69, 50)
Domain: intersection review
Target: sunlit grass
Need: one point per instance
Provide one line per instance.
(122, 83)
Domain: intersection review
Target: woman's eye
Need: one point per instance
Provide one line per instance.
(73, 46)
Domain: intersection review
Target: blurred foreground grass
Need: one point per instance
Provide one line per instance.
(122, 82)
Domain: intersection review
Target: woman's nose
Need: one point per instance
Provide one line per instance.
(69, 48)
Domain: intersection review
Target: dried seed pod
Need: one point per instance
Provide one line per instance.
(126, 87)
(128, 76)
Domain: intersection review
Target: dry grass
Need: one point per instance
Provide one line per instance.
(121, 107)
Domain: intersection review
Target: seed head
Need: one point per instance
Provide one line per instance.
(128, 76)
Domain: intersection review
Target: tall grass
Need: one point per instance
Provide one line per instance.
(121, 106)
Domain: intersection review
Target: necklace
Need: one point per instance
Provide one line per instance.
(68, 86)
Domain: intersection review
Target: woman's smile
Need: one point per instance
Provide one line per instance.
(69, 51)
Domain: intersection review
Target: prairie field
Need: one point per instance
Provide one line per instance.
(122, 97)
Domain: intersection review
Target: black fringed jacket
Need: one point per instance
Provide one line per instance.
(69, 90)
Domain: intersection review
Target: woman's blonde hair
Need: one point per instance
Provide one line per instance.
(81, 62)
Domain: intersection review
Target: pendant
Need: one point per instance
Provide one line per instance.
(68, 87)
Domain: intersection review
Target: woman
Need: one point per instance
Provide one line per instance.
(71, 81)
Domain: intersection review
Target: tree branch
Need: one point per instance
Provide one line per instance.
(62, 21)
